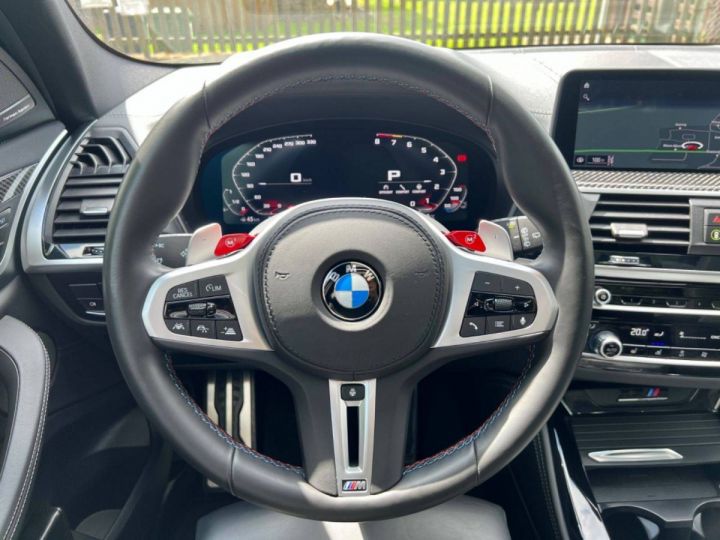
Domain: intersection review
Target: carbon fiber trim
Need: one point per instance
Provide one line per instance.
(12, 184)
(643, 181)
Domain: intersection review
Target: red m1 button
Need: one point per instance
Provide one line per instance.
(230, 243)
(467, 239)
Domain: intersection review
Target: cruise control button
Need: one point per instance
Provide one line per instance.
(213, 286)
(178, 326)
(204, 329)
(186, 291)
(499, 324)
(486, 282)
(228, 330)
(516, 286)
(472, 327)
(519, 322)
(197, 309)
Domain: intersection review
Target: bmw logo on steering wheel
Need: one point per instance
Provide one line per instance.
(351, 291)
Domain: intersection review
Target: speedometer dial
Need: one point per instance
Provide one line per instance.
(415, 171)
(277, 173)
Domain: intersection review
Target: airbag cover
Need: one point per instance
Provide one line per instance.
(396, 243)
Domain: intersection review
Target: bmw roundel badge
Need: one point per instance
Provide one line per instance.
(351, 291)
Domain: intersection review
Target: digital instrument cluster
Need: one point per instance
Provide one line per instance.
(261, 177)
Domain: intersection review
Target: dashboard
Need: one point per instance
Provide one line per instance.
(641, 143)
(244, 180)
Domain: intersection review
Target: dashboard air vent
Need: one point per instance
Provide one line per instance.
(94, 174)
(641, 224)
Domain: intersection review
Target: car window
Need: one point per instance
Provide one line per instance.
(210, 30)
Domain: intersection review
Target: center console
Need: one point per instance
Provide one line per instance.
(642, 416)
(644, 149)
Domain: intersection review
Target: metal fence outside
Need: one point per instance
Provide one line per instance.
(209, 30)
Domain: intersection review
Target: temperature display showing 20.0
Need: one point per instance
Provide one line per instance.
(264, 178)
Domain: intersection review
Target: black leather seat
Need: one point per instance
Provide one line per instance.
(464, 518)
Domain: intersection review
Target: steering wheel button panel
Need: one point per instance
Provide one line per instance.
(498, 304)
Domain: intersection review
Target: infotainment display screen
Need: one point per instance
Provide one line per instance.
(642, 121)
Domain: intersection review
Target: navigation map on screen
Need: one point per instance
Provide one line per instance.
(648, 124)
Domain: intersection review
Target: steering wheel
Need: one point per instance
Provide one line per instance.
(349, 302)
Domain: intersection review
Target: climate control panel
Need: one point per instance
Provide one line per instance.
(611, 338)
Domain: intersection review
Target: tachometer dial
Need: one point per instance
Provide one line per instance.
(277, 173)
(413, 171)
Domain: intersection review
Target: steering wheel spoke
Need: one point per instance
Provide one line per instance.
(206, 308)
(494, 304)
(348, 449)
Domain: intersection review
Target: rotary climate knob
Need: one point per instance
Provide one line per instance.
(607, 344)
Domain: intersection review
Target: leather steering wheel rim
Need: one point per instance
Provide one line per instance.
(160, 181)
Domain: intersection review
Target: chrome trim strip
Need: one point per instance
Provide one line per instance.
(650, 192)
(634, 455)
(247, 412)
(31, 243)
(623, 361)
(656, 274)
(664, 311)
(366, 436)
